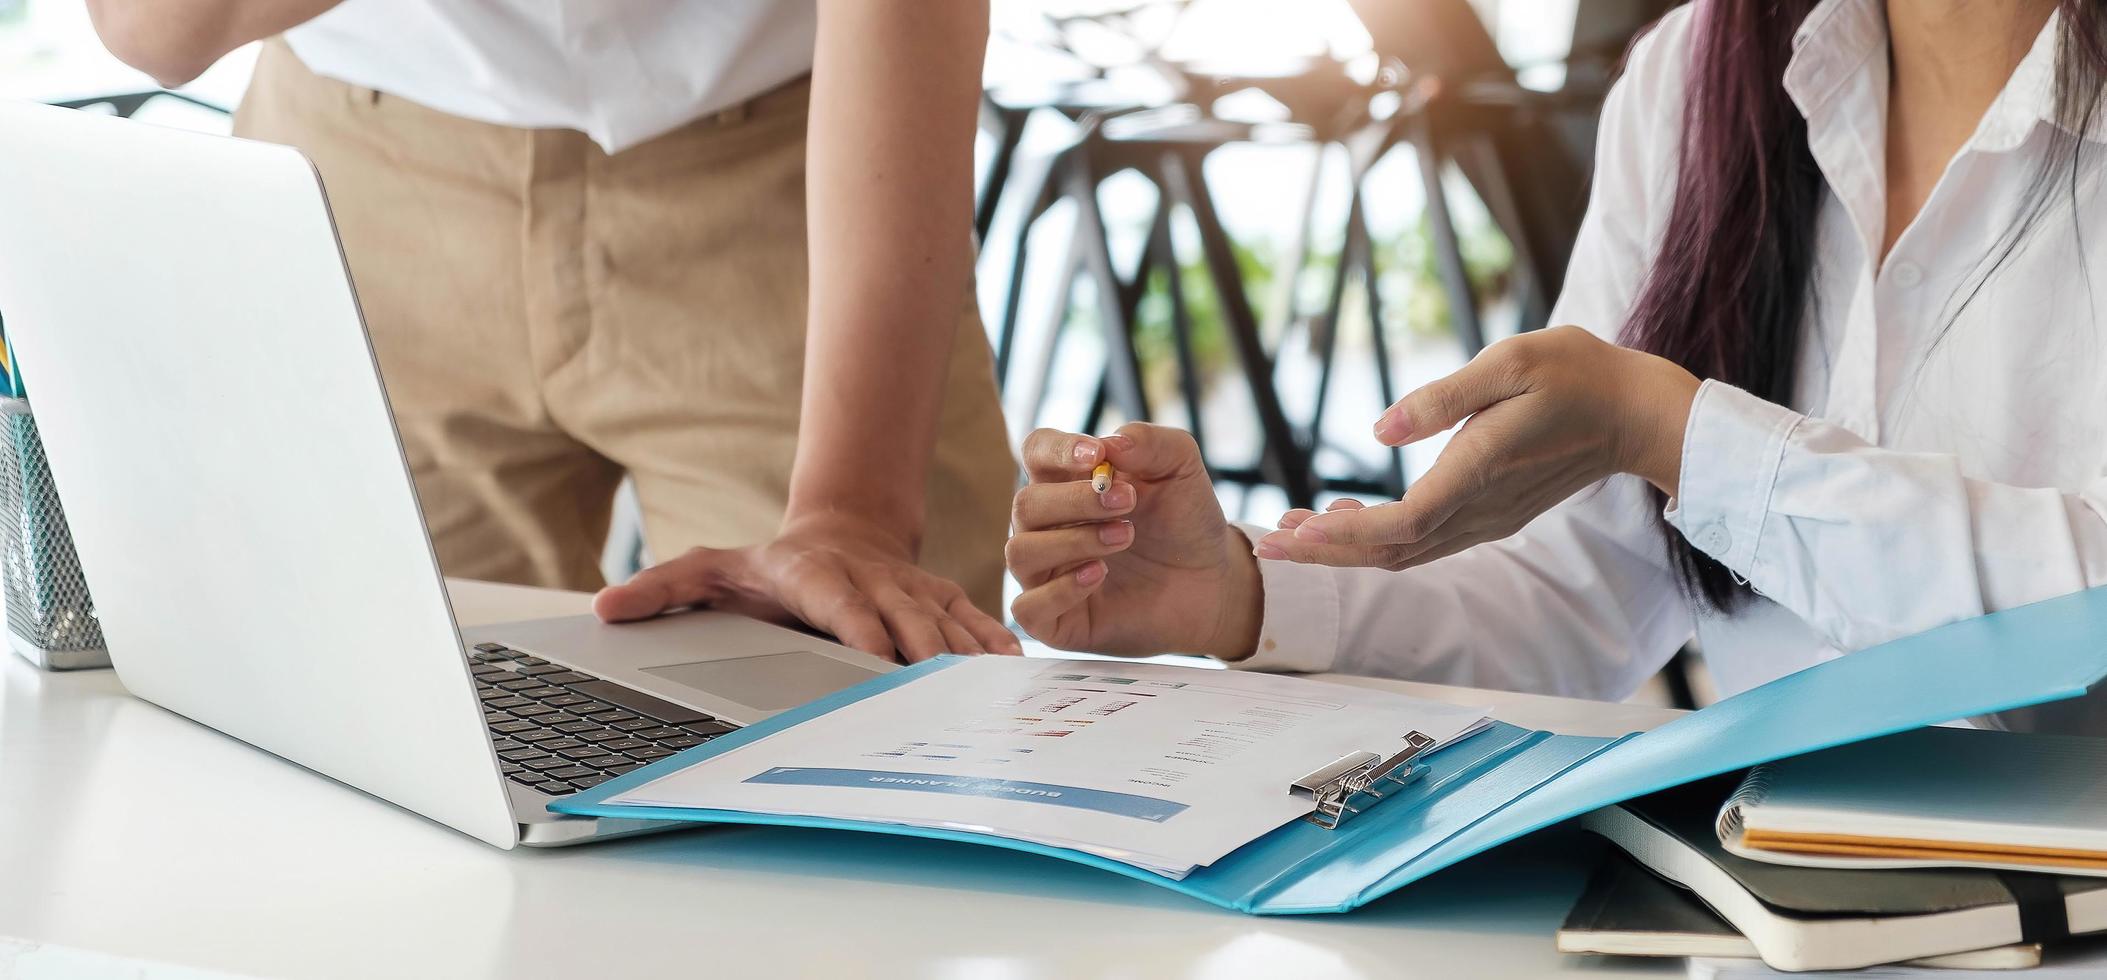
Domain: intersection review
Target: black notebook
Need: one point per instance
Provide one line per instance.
(1627, 910)
(1833, 919)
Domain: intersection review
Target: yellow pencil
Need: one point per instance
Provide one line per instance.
(1101, 477)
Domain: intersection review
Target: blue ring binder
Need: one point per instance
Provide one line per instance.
(1508, 781)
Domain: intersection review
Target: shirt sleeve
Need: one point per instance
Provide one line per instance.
(1869, 544)
(1583, 601)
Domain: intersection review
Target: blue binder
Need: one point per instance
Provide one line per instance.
(1508, 781)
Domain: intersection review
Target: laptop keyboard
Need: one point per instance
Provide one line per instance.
(560, 731)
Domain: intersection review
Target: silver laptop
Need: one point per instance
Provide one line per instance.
(180, 310)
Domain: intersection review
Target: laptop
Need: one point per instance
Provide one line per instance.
(183, 319)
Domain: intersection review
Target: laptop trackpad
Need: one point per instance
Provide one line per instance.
(769, 682)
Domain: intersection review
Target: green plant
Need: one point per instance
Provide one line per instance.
(1154, 341)
(1488, 262)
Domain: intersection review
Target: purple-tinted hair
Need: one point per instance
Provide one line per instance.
(1728, 289)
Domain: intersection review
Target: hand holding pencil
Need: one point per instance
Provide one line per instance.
(1122, 548)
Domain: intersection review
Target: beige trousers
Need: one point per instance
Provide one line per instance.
(549, 316)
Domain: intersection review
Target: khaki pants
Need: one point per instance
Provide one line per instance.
(548, 317)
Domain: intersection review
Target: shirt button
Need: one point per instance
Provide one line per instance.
(1714, 539)
(1908, 274)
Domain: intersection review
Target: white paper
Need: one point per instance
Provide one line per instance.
(1165, 767)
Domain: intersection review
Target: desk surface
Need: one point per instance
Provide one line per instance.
(133, 841)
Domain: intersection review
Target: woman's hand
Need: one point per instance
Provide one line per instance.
(837, 574)
(1549, 412)
(1149, 566)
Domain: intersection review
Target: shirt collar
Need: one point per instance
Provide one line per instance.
(1834, 43)
(2029, 96)
(1843, 37)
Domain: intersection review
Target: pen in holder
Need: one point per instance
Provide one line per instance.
(50, 619)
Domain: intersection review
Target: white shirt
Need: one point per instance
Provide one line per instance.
(620, 71)
(1900, 491)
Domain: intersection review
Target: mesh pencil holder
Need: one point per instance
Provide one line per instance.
(50, 619)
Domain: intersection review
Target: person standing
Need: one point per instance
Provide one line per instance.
(722, 246)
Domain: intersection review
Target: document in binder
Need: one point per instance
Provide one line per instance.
(1164, 768)
(1352, 825)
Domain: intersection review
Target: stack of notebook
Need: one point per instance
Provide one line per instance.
(1937, 848)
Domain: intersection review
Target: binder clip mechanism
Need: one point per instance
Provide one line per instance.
(1336, 786)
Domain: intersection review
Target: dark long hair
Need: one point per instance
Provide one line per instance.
(1734, 275)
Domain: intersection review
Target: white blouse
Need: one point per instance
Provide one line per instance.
(1910, 484)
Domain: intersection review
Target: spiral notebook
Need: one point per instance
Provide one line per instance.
(1928, 798)
(1507, 780)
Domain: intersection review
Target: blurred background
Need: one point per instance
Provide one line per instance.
(1261, 220)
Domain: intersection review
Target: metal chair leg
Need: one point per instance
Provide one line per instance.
(1181, 321)
(1326, 327)
(1285, 462)
(1043, 195)
(1064, 302)
(1386, 385)
(1009, 132)
(1122, 363)
(1489, 178)
(1448, 248)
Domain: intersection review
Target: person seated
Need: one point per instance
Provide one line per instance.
(1835, 382)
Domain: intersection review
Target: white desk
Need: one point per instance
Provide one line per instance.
(136, 843)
